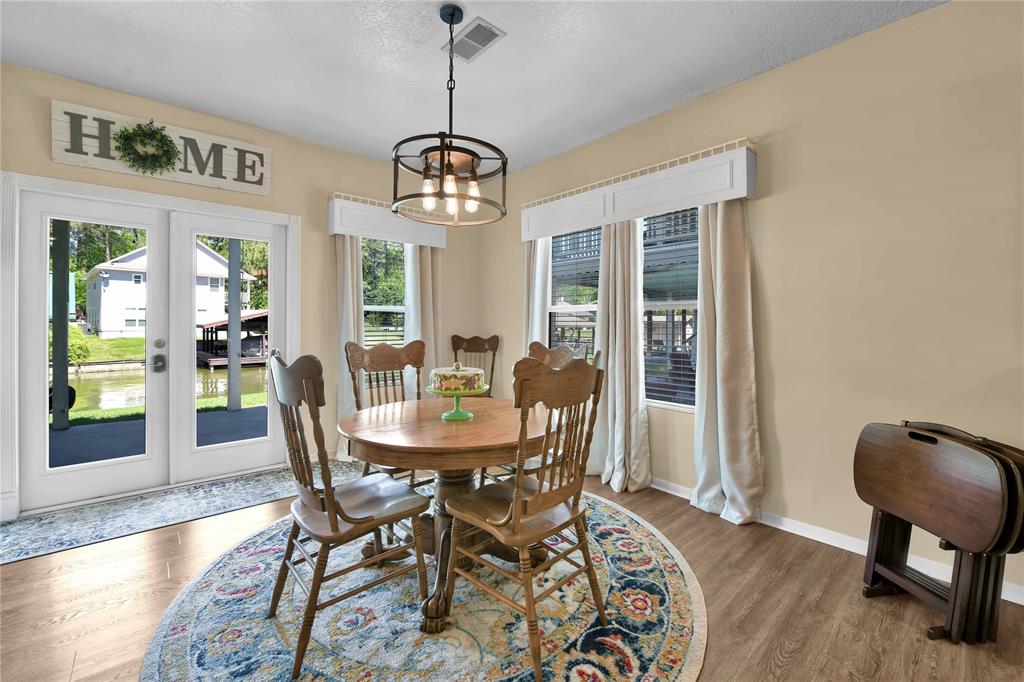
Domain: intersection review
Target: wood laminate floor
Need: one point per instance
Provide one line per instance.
(780, 607)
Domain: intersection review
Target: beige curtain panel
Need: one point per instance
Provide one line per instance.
(621, 450)
(423, 306)
(730, 473)
(538, 290)
(348, 252)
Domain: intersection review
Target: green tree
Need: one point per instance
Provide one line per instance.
(255, 261)
(383, 272)
(80, 292)
(92, 244)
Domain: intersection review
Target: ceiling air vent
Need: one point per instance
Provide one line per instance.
(474, 39)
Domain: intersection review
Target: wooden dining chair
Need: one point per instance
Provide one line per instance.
(327, 516)
(557, 356)
(380, 369)
(535, 506)
(477, 352)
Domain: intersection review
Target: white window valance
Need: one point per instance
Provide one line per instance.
(670, 186)
(362, 217)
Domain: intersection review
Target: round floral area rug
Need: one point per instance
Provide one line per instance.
(217, 627)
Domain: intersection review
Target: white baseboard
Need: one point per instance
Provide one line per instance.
(671, 488)
(936, 569)
(9, 506)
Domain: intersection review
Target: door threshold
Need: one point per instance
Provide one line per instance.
(145, 491)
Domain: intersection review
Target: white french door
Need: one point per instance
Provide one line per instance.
(115, 439)
(158, 375)
(247, 434)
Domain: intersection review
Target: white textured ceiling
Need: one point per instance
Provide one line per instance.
(359, 76)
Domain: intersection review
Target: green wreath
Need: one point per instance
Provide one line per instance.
(147, 148)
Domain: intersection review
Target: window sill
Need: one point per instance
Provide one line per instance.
(672, 407)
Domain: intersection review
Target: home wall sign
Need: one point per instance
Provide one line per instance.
(83, 136)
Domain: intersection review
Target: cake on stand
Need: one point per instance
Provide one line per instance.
(455, 382)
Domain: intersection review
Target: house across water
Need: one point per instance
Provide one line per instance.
(116, 292)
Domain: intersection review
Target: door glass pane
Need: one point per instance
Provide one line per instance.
(96, 302)
(232, 322)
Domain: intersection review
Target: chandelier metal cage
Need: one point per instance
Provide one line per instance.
(452, 171)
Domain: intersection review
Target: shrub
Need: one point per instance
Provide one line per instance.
(78, 346)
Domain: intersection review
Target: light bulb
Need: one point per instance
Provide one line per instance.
(430, 201)
(474, 191)
(451, 188)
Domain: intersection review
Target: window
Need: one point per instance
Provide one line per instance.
(572, 314)
(215, 284)
(383, 292)
(670, 306)
(142, 322)
(129, 323)
(137, 278)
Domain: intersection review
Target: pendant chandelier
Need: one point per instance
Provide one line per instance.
(450, 171)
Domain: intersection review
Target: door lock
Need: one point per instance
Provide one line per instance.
(159, 362)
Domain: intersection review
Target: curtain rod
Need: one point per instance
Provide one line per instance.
(647, 170)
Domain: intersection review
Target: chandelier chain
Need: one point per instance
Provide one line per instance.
(451, 72)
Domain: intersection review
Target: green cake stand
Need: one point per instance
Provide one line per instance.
(458, 414)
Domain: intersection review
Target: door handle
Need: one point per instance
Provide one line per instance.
(159, 362)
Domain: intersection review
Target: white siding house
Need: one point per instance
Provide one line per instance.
(116, 292)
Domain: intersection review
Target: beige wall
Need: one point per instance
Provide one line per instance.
(887, 237)
(304, 175)
(887, 246)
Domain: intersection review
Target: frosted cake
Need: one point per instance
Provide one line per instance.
(455, 379)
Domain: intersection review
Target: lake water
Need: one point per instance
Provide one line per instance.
(127, 388)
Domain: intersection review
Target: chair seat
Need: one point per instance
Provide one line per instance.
(377, 496)
(492, 502)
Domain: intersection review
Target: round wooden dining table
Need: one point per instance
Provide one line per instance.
(412, 435)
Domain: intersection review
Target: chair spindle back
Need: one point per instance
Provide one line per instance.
(570, 397)
(477, 352)
(384, 366)
(302, 382)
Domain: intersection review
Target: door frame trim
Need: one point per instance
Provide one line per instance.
(11, 187)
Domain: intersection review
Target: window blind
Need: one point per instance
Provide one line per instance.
(670, 306)
(575, 262)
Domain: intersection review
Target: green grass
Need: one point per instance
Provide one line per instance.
(106, 350)
(121, 414)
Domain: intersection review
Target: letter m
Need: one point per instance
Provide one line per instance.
(214, 156)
